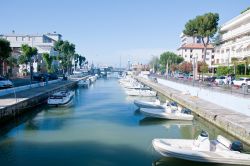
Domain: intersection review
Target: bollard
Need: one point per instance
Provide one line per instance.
(245, 89)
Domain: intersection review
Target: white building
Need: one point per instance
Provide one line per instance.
(193, 48)
(44, 44)
(234, 39)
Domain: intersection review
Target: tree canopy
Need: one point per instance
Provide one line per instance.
(48, 61)
(204, 26)
(66, 53)
(5, 49)
(28, 51)
(170, 58)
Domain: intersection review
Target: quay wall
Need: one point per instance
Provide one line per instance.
(33, 100)
(236, 103)
(234, 123)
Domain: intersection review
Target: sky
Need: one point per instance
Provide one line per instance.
(107, 31)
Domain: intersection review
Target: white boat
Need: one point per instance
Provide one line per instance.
(139, 92)
(84, 83)
(147, 104)
(171, 113)
(61, 98)
(92, 79)
(202, 149)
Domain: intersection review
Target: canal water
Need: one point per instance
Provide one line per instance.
(101, 128)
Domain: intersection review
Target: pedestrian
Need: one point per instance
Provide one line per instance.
(229, 80)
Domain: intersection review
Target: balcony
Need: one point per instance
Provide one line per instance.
(236, 32)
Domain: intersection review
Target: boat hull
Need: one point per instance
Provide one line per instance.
(142, 104)
(199, 156)
(160, 113)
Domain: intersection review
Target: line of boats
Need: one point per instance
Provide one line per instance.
(202, 149)
(135, 88)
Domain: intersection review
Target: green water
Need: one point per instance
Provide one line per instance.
(103, 127)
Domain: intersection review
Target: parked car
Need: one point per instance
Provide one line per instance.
(241, 81)
(221, 80)
(43, 76)
(39, 77)
(52, 76)
(5, 83)
(210, 79)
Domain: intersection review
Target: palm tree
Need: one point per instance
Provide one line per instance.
(235, 61)
(246, 62)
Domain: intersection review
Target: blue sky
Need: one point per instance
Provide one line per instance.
(105, 30)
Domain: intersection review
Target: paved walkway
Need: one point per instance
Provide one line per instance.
(233, 122)
(12, 99)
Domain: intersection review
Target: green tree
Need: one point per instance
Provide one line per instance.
(5, 52)
(222, 70)
(48, 61)
(66, 52)
(81, 60)
(154, 63)
(28, 52)
(204, 26)
(246, 61)
(11, 61)
(170, 58)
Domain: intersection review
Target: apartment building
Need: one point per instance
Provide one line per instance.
(192, 47)
(234, 40)
(44, 44)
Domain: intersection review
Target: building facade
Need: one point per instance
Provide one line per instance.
(44, 44)
(234, 40)
(192, 48)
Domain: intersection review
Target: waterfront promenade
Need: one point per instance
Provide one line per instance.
(235, 123)
(14, 103)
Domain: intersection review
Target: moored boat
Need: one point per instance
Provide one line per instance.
(61, 98)
(139, 92)
(202, 149)
(169, 112)
(147, 104)
(84, 83)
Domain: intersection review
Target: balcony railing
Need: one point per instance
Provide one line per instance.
(237, 32)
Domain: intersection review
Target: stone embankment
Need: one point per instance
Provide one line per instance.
(235, 123)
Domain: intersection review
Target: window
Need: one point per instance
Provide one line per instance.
(191, 50)
(185, 50)
(191, 56)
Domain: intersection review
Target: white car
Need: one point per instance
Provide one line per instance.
(221, 80)
(5, 83)
(241, 81)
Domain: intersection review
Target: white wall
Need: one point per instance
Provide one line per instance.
(235, 103)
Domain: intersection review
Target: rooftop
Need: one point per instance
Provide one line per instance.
(196, 46)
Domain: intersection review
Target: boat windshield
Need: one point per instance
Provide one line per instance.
(56, 97)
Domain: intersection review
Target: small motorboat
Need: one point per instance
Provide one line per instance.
(202, 149)
(169, 112)
(140, 92)
(84, 83)
(147, 104)
(61, 98)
